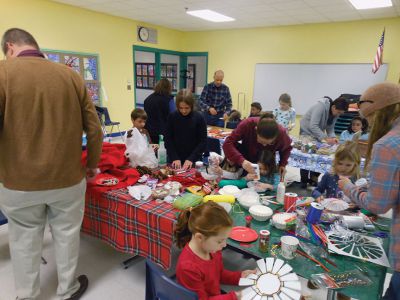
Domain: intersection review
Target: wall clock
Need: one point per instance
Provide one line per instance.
(143, 33)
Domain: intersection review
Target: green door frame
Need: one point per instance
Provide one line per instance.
(157, 53)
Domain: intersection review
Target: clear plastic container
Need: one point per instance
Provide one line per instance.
(340, 280)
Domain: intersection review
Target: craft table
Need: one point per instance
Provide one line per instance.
(305, 268)
(131, 226)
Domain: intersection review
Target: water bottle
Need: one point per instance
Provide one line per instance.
(199, 167)
(162, 153)
(280, 192)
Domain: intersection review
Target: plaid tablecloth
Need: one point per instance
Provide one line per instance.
(131, 226)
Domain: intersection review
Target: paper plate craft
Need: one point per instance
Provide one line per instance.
(107, 181)
(334, 204)
(274, 280)
(283, 220)
(356, 245)
(243, 234)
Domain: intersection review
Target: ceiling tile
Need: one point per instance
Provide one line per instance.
(247, 13)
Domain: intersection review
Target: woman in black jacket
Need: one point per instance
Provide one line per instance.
(186, 134)
(156, 106)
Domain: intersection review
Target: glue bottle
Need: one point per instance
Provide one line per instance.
(280, 192)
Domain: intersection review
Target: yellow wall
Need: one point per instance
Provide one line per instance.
(63, 27)
(237, 51)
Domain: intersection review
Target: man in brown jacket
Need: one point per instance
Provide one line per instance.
(44, 109)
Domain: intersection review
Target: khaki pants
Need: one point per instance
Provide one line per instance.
(27, 213)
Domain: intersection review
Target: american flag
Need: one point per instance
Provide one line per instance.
(379, 54)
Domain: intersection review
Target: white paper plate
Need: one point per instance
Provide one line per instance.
(334, 204)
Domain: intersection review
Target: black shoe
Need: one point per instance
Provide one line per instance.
(84, 282)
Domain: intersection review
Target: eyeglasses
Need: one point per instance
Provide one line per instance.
(363, 101)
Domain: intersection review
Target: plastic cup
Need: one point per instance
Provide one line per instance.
(288, 246)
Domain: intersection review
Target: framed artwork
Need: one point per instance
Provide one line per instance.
(87, 65)
(170, 72)
(145, 75)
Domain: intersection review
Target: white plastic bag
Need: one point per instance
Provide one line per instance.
(139, 152)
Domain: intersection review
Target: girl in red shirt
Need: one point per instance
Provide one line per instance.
(202, 233)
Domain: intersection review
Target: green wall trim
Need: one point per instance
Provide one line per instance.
(157, 52)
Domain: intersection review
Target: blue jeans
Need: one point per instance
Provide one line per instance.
(393, 291)
(214, 120)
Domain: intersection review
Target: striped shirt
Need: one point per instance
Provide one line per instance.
(383, 192)
(218, 97)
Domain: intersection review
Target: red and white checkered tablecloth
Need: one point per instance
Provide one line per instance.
(128, 225)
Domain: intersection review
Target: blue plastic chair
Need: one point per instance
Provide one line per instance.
(160, 287)
(103, 112)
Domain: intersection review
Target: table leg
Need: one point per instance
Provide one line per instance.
(128, 262)
(331, 294)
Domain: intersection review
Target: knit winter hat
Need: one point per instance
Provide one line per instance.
(381, 95)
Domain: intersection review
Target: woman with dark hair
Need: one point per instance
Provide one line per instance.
(156, 106)
(186, 132)
(318, 124)
(357, 124)
(256, 135)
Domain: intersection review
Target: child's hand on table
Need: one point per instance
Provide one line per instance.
(246, 273)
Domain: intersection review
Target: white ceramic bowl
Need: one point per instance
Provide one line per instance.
(260, 212)
(278, 220)
(248, 198)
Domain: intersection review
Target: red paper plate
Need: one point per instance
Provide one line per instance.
(107, 181)
(243, 234)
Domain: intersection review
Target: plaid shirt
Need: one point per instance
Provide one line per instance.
(216, 97)
(383, 192)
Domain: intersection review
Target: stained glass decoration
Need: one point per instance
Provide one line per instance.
(93, 90)
(73, 62)
(53, 57)
(90, 68)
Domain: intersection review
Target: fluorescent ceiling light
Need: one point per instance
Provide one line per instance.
(367, 4)
(210, 15)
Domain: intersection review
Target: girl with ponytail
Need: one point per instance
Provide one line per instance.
(202, 232)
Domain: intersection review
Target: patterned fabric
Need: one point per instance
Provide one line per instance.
(217, 97)
(128, 225)
(383, 192)
(285, 117)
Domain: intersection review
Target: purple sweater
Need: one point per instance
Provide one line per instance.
(250, 149)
